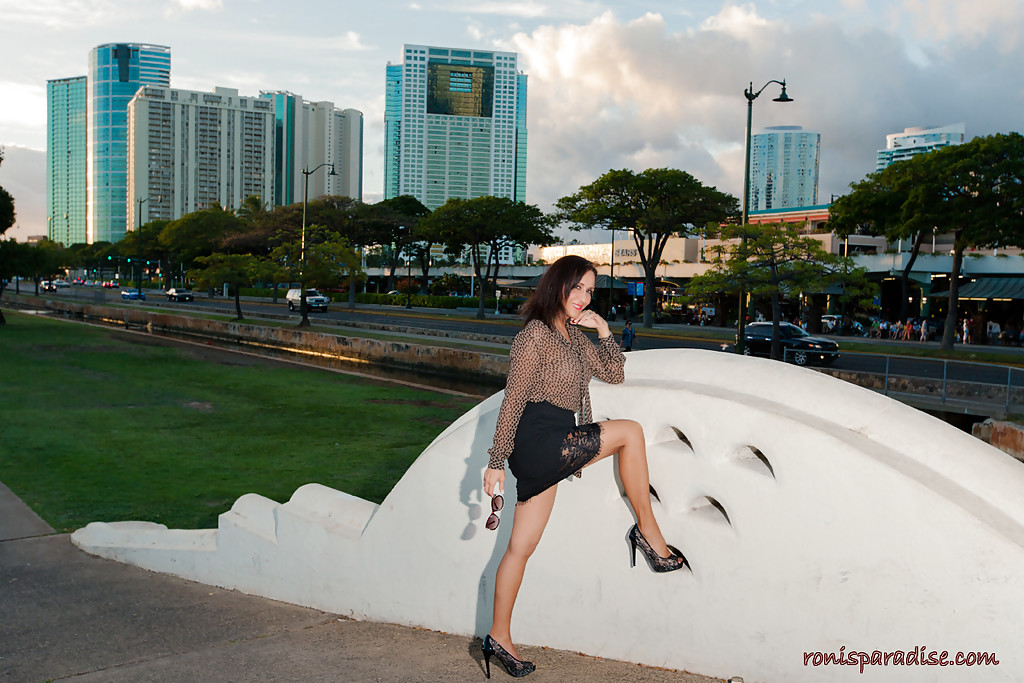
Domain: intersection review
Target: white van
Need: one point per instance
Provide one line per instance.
(315, 301)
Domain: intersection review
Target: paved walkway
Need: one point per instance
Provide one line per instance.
(66, 615)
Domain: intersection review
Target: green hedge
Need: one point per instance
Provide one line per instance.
(435, 301)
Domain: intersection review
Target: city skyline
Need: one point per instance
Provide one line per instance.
(611, 86)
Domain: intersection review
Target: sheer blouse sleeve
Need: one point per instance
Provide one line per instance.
(523, 365)
(606, 360)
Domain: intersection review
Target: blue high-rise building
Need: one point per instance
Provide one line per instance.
(455, 125)
(392, 129)
(287, 107)
(66, 160)
(116, 72)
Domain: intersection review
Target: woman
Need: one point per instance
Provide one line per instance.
(550, 366)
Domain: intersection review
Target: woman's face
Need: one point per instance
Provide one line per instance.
(579, 296)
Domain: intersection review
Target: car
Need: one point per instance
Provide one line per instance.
(62, 284)
(48, 286)
(179, 294)
(132, 294)
(797, 345)
(315, 301)
(393, 292)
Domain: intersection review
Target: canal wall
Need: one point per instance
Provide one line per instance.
(422, 357)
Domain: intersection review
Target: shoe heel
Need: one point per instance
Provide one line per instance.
(487, 663)
(632, 543)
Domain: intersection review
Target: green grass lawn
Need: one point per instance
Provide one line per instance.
(103, 425)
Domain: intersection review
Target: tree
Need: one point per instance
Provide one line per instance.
(327, 259)
(487, 223)
(6, 204)
(237, 270)
(652, 206)
(877, 206)
(143, 249)
(199, 233)
(773, 261)
(394, 225)
(14, 262)
(973, 191)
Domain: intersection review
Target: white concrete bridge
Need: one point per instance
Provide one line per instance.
(819, 519)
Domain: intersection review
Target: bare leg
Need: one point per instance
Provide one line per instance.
(626, 437)
(527, 526)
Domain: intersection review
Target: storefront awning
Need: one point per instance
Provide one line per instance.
(989, 288)
(602, 283)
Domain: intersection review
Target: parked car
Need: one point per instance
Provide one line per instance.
(315, 301)
(179, 294)
(132, 294)
(797, 345)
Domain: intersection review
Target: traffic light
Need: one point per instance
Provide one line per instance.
(110, 258)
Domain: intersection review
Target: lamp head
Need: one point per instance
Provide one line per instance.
(783, 97)
(333, 172)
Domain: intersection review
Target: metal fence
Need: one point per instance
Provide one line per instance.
(960, 386)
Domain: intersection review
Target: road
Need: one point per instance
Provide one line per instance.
(674, 336)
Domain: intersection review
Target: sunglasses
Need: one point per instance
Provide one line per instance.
(497, 502)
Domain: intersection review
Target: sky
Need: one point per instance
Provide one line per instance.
(612, 84)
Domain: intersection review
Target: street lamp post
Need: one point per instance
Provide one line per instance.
(138, 237)
(751, 96)
(306, 172)
(408, 276)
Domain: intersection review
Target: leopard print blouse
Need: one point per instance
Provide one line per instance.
(543, 366)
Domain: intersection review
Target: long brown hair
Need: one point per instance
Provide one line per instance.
(548, 300)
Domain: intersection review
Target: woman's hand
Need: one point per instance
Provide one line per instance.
(592, 320)
(492, 477)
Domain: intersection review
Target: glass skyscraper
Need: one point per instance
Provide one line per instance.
(455, 125)
(784, 168)
(116, 71)
(66, 160)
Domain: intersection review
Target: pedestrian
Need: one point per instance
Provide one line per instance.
(550, 366)
(628, 336)
(924, 330)
(612, 312)
(967, 330)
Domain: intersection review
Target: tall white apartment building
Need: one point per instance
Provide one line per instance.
(308, 134)
(455, 125)
(914, 141)
(188, 150)
(784, 168)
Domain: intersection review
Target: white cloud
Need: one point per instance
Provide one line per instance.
(193, 5)
(507, 9)
(965, 21)
(636, 94)
(58, 14)
(24, 108)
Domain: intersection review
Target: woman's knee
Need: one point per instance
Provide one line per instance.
(625, 432)
(521, 549)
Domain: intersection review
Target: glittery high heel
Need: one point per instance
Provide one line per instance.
(657, 563)
(516, 668)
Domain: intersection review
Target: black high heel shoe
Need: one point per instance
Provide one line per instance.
(516, 668)
(674, 561)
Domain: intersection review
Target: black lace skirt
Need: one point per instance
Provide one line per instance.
(549, 446)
